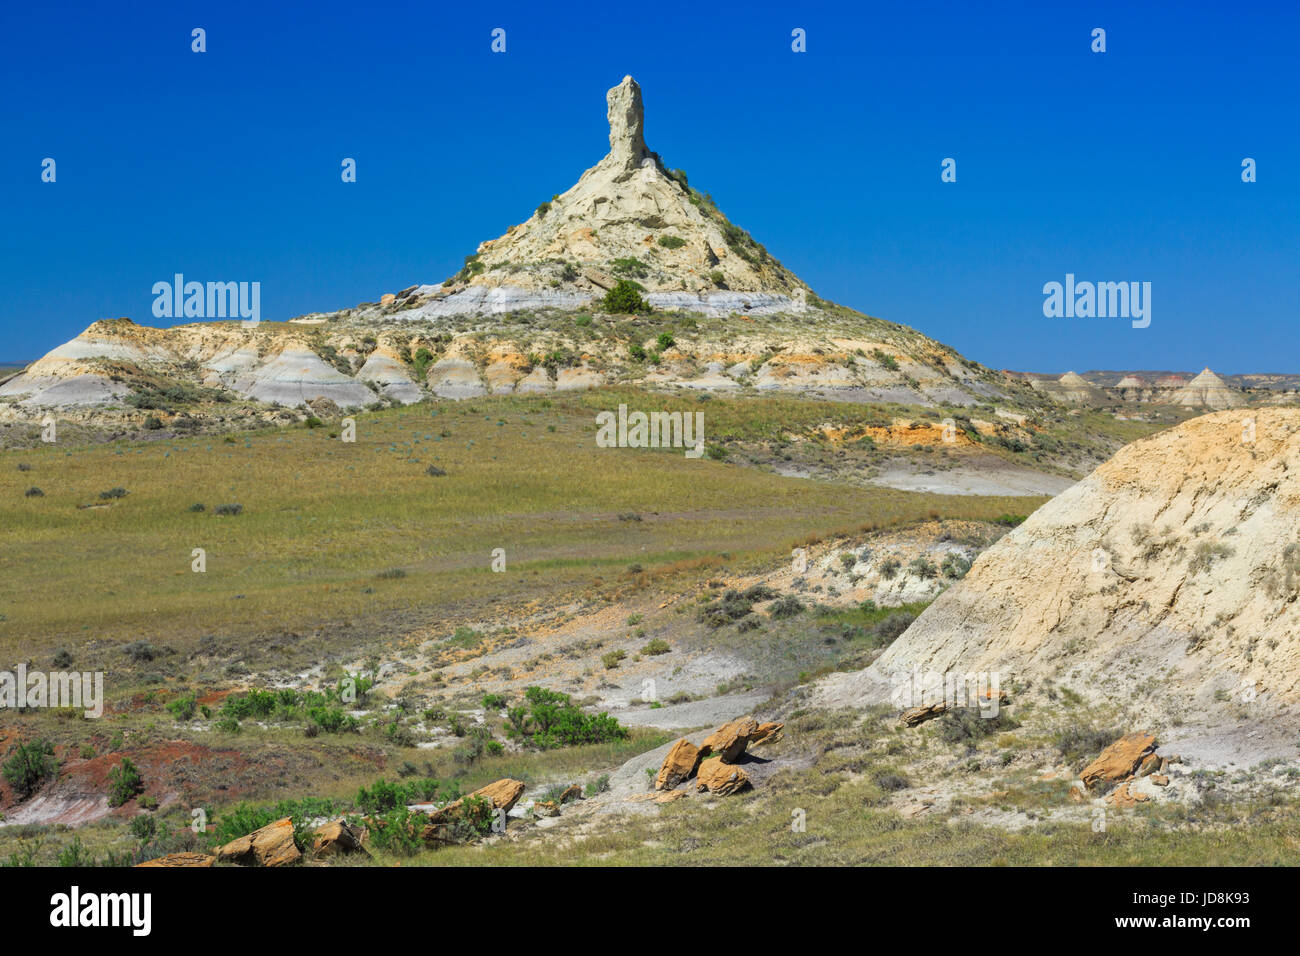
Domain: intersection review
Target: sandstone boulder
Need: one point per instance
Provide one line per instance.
(181, 859)
(717, 776)
(1125, 796)
(919, 715)
(336, 838)
(271, 845)
(503, 794)
(679, 764)
(573, 793)
(730, 740)
(768, 733)
(1120, 759)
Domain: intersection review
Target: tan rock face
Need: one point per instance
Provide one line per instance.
(626, 123)
(272, 845)
(730, 740)
(721, 778)
(571, 794)
(1133, 575)
(768, 733)
(679, 764)
(1120, 760)
(335, 839)
(1125, 796)
(503, 794)
(618, 211)
(915, 716)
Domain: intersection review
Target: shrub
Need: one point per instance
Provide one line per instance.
(636, 353)
(75, 854)
(433, 471)
(888, 630)
(34, 492)
(656, 647)
(788, 606)
(494, 701)
(228, 510)
(955, 566)
(625, 297)
(399, 831)
(629, 266)
(140, 652)
(967, 725)
(183, 708)
(332, 720)
(891, 782)
(923, 568)
(391, 574)
(198, 507)
(420, 364)
(124, 782)
(543, 209)
(27, 766)
(143, 827)
(549, 719)
(153, 423)
(672, 242)
(612, 658)
(732, 606)
(885, 359)
(889, 568)
(62, 657)
(1080, 744)
(665, 341)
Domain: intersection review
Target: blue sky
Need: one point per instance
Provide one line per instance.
(1117, 166)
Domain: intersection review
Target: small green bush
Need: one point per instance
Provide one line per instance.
(184, 707)
(625, 298)
(27, 766)
(124, 782)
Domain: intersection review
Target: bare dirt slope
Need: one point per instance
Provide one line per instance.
(1167, 578)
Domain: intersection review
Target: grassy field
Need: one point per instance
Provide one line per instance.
(358, 537)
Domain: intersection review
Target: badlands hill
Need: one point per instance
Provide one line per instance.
(1166, 579)
(526, 313)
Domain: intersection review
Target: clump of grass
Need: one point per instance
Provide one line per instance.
(1079, 743)
(391, 574)
(788, 606)
(656, 647)
(228, 510)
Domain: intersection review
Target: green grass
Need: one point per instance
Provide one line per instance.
(321, 520)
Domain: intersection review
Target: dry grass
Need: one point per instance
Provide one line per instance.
(322, 520)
